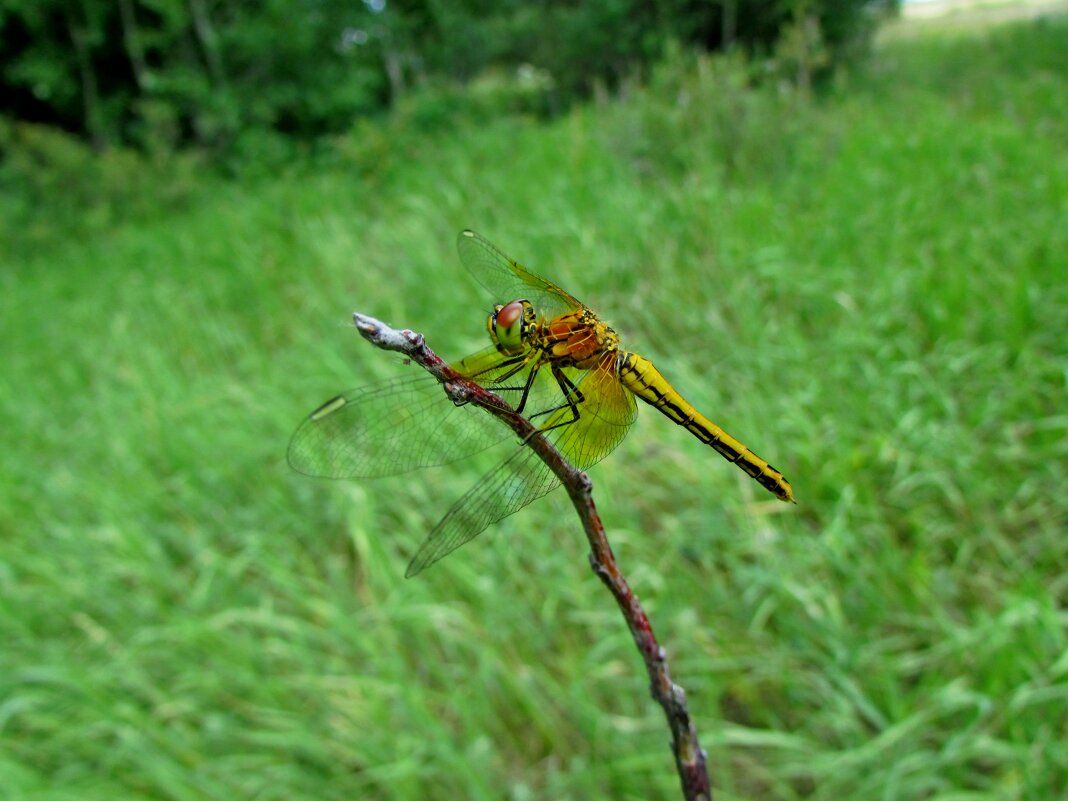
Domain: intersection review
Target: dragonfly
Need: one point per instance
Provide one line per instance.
(568, 374)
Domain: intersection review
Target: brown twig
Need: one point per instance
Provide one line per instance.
(689, 758)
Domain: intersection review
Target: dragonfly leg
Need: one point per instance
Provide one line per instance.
(530, 382)
(572, 394)
(572, 398)
(518, 362)
(515, 362)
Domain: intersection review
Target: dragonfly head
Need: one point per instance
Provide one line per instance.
(508, 325)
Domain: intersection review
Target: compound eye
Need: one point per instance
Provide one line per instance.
(508, 325)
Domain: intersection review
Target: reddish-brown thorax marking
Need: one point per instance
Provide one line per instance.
(578, 338)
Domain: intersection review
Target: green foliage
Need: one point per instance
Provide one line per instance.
(231, 77)
(53, 186)
(199, 71)
(866, 287)
(745, 133)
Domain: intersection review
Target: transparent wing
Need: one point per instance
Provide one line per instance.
(605, 416)
(508, 280)
(396, 426)
(506, 489)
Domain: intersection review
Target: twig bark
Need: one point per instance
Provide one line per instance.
(689, 757)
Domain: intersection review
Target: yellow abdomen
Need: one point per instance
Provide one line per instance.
(643, 379)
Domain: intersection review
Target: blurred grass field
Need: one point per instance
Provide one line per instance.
(868, 288)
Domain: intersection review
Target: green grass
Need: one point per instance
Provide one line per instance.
(869, 289)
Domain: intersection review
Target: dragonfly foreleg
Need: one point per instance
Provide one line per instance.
(530, 382)
(516, 363)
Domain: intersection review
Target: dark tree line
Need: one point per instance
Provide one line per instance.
(167, 73)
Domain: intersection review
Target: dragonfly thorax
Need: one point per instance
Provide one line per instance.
(510, 324)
